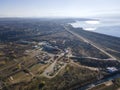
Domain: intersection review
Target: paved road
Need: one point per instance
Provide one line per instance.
(88, 41)
(91, 58)
(89, 86)
(51, 68)
(82, 66)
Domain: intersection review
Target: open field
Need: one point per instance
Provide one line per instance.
(43, 55)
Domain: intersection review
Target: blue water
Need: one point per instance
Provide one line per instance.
(105, 26)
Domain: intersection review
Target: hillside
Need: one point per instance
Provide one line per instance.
(49, 54)
(108, 43)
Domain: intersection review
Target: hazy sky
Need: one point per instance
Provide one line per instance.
(58, 8)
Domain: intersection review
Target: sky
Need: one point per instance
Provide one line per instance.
(58, 8)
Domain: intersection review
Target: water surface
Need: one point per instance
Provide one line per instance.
(104, 26)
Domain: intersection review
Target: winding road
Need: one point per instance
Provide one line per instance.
(51, 68)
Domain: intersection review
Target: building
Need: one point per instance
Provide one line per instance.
(112, 69)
